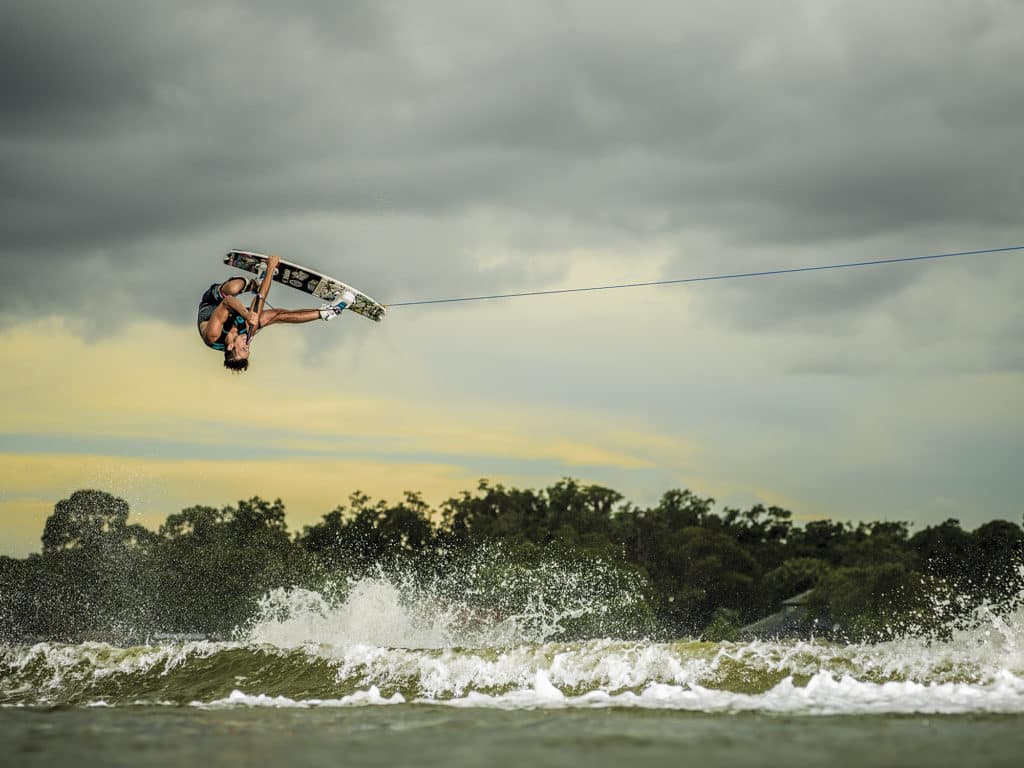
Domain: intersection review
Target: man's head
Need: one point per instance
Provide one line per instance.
(236, 353)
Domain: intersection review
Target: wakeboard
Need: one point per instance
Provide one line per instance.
(308, 281)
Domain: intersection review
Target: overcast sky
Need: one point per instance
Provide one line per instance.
(422, 150)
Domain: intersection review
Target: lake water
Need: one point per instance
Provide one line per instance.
(429, 735)
(378, 680)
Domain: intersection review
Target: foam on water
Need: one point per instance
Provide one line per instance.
(496, 604)
(359, 698)
(823, 694)
(382, 642)
(373, 613)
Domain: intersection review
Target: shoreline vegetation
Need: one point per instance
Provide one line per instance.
(677, 569)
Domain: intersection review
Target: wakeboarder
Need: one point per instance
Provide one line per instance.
(228, 326)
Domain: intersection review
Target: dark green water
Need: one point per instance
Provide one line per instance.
(424, 735)
(383, 680)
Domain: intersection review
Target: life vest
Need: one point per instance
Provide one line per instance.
(210, 301)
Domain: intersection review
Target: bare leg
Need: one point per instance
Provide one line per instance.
(271, 316)
(233, 286)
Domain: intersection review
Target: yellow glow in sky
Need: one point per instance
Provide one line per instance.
(169, 430)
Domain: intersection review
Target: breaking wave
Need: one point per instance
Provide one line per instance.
(382, 642)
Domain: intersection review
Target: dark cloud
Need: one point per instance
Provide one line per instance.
(407, 140)
(69, 69)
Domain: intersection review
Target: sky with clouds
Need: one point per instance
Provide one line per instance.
(457, 148)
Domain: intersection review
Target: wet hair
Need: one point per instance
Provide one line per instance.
(234, 364)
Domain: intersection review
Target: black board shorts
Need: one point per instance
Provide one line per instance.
(210, 301)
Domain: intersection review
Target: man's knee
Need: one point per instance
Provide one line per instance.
(268, 316)
(232, 286)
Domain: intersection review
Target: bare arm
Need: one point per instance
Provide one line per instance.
(229, 302)
(236, 305)
(253, 316)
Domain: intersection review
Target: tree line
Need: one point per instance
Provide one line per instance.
(697, 571)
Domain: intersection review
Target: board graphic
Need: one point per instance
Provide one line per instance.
(308, 281)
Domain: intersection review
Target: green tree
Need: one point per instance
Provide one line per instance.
(86, 519)
(870, 602)
(94, 572)
(215, 564)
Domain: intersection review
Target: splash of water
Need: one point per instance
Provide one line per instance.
(374, 611)
(494, 603)
(501, 637)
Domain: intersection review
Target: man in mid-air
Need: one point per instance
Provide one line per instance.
(228, 326)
